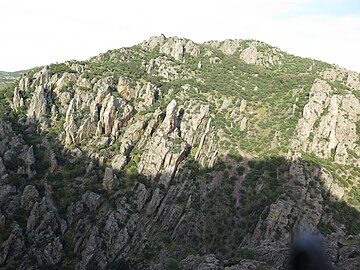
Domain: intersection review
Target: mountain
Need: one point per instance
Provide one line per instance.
(9, 77)
(176, 155)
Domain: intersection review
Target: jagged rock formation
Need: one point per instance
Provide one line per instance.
(328, 126)
(183, 155)
(251, 52)
(173, 46)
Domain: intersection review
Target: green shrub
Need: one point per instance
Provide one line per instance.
(59, 68)
(171, 264)
(245, 253)
(240, 170)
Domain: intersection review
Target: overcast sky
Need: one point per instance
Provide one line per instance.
(39, 32)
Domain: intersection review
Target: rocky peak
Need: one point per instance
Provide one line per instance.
(172, 46)
(228, 46)
(153, 42)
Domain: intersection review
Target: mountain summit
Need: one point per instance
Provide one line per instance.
(177, 155)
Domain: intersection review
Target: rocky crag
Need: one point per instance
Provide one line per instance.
(176, 155)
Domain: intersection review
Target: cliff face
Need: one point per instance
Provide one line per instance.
(172, 154)
(328, 127)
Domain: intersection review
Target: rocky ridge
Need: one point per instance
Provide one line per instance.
(138, 158)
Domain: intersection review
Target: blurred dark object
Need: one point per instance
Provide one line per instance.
(309, 253)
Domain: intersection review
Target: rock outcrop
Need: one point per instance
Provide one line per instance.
(328, 125)
(110, 180)
(173, 46)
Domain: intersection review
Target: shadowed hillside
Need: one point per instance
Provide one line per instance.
(239, 209)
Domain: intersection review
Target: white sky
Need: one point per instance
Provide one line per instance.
(39, 32)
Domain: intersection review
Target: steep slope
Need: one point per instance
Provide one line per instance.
(158, 155)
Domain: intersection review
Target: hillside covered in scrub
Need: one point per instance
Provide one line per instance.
(176, 155)
(8, 77)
